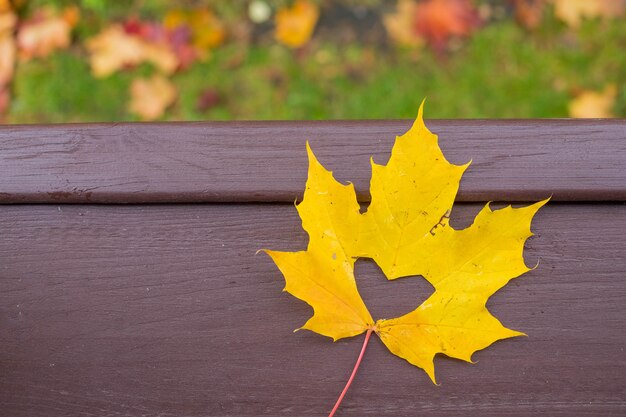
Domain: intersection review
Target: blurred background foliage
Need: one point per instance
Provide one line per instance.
(112, 60)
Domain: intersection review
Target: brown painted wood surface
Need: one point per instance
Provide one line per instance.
(164, 310)
(515, 160)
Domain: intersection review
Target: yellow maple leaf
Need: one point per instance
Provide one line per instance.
(295, 25)
(323, 275)
(405, 231)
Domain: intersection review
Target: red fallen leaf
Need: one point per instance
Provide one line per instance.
(5, 101)
(439, 20)
(151, 32)
(180, 40)
(133, 26)
(209, 98)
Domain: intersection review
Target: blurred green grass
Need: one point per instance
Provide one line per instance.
(502, 71)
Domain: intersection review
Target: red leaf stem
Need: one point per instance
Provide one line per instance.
(356, 367)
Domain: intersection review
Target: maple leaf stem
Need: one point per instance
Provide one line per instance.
(356, 367)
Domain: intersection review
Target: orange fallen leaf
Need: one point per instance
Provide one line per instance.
(439, 20)
(45, 32)
(71, 15)
(150, 97)
(295, 24)
(114, 49)
(573, 11)
(529, 13)
(5, 6)
(593, 104)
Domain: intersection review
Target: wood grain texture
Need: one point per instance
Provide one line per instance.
(515, 160)
(166, 311)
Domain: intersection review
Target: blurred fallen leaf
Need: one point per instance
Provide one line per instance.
(151, 96)
(295, 24)
(45, 32)
(529, 13)
(208, 98)
(175, 18)
(400, 25)
(439, 20)
(207, 30)
(7, 46)
(8, 20)
(593, 104)
(192, 33)
(179, 38)
(432, 21)
(71, 15)
(114, 49)
(5, 101)
(5, 6)
(573, 11)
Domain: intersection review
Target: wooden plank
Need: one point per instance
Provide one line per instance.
(514, 160)
(165, 310)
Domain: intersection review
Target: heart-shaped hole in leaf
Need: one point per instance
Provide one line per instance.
(387, 299)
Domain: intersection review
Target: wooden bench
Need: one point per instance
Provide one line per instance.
(129, 284)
